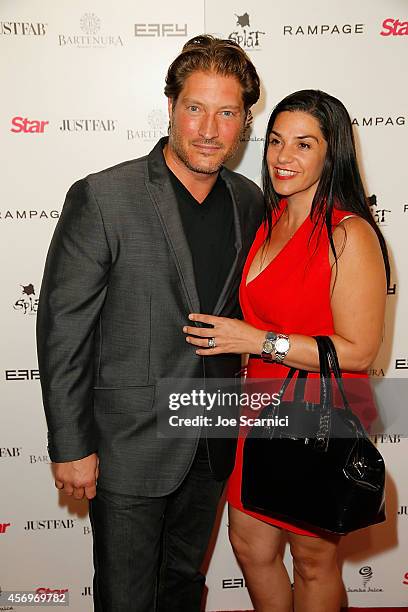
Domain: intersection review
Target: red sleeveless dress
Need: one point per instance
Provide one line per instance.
(290, 296)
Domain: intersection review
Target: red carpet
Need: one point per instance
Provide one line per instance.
(404, 609)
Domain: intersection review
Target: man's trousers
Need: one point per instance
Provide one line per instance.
(148, 550)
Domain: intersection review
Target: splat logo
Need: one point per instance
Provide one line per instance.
(381, 215)
(28, 304)
(91, 36)
(394, 27)
(23, 125)
(246, 35)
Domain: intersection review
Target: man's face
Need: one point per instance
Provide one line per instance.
(206, 121)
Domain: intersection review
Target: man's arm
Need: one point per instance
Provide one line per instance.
(72, 294)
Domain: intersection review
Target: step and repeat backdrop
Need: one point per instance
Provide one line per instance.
(82, 89)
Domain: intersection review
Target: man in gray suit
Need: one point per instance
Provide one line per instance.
(137, 248)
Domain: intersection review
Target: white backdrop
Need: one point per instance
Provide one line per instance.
(82, 89)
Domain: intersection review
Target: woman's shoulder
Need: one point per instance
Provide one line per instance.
(353, 232)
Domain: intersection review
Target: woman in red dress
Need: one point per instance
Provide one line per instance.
(318, 266)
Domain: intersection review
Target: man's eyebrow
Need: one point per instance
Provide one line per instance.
(193, 101)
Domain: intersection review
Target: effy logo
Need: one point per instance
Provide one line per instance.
(394, 27)
(28, 126)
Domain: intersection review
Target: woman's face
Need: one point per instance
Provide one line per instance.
(296, 154)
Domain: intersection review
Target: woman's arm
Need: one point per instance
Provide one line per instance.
(358, 306)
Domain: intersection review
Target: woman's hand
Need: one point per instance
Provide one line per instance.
(229, 335)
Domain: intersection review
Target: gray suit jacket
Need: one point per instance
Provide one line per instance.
(118, 286)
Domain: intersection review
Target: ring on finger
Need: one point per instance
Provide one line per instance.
(211, 342)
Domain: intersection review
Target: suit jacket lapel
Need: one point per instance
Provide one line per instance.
(238, 224)
(161, 192)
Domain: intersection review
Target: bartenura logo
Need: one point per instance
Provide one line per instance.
(28, 304)
(160, 30)
(88, 125)
(28, 215)
(376, 372)
(50, 524)
(22, 28)
(366, 574)
(394, 27)
(90, 25)
(23, 125)
(246, 35)
(154, 128)
(41, 459)
(381, 215)
(380, 121)
(323, 29)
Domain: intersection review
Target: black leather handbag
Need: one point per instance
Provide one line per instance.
(321, 471)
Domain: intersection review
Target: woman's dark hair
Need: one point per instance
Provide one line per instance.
(340, 185)
(207, 53)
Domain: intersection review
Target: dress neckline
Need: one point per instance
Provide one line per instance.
(279, 253)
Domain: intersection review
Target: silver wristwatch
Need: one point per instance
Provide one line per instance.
(275, 347)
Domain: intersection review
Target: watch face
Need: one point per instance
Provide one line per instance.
(267, 346)
(281, 345)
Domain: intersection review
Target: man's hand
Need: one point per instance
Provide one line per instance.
(77, 478)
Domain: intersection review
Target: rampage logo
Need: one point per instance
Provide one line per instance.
(50, 524)
(245, 36)
(19, 215)
(155, 127)
(379, 121)
(91, 38)
(323, 29)
(394, 27)
(381, 215)
(28, 305)
(22, 28)
(88, 125)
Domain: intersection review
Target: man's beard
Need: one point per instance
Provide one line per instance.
(178, 148)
